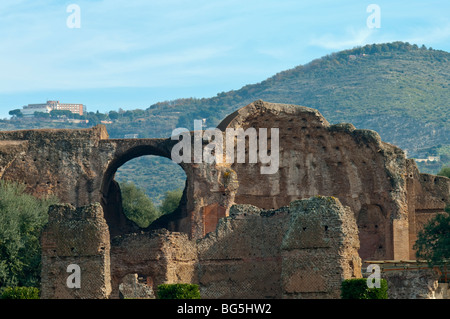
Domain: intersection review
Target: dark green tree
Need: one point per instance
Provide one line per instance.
(137, 206)
(22, 217)
(61, 113)
(113, 115)
(445, 171)
(41, 115)
(433, 242)
(171, 201)
(16, 113)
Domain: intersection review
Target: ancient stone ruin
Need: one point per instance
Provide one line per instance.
(237, 233)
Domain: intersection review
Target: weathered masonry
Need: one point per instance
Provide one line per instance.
(384, 192)
(304, 250)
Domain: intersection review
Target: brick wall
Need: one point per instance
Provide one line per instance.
(303, 250)
(75, 236)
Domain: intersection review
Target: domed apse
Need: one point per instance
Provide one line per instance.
(150, 171)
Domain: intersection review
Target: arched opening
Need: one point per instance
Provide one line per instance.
(112, 202)
(151, 186)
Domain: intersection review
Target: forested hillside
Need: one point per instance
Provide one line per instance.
(398, 89)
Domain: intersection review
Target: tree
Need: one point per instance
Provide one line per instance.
(61, 113)
(433, 242)
(113, 115)
(41, 115)
(445, 171)
(171, 201)
(22, 217)
(137, 206)
(16, 113)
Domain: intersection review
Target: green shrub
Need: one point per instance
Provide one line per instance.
(357, 289)
(178, 291)
(20, 293)
(22, 217)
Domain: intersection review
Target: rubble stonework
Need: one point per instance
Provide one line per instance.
(75, 236)
(160, 255)
(389, 198)
(304, 250)
(412, 284)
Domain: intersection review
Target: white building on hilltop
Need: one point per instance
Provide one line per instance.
(29, 110)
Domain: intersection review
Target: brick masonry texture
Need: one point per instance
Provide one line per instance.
(383, 191)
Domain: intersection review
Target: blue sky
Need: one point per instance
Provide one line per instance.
(131, 54)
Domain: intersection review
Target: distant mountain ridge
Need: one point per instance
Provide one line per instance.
(397, 89)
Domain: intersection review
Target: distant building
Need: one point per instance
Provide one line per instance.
(434, 158)
(31, 108)
(429, 159)
(50, 106)
(74, 108)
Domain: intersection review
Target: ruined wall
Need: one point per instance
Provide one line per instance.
(389, 197)
(242, 257)
(162, 256)
(412, 284)
(304, 250)
(62, 162)
(75, 236)
(9, 150)
(317, 158)
(428, 195)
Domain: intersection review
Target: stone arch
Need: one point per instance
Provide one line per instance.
(110, 193)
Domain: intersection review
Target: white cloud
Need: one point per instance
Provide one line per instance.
(137, 42)
(430, 35)
(352, 38)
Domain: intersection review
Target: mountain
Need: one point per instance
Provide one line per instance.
(398, 89)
